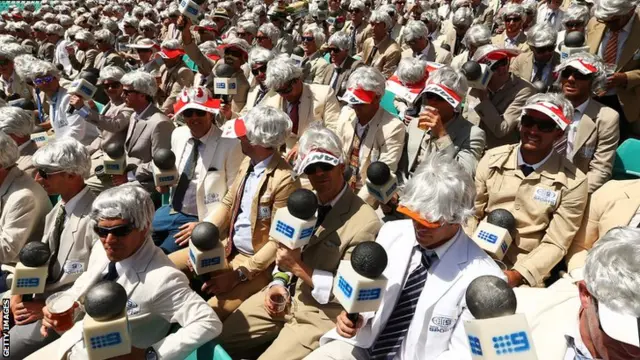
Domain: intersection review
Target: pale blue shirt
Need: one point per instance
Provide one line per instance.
(622, 39)
(242, 228)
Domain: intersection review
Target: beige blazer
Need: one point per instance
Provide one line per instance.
(522, 66)
(521, 40)
(83, 59)
(384, 142)
(614, 204)
(23, 207)
(385, 59)
(17, 86)
(113, 123)
(350, 65)
(363, 32)
(596, 142)
(111, 58)
(173, 81)
(483, 15)
(147, 133)
(24, 162)
(628, 63)
(548, 206)
(435, 53)
(314, 67)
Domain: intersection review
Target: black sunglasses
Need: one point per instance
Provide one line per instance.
(45, 175)
(192, 112)
(573, 24)
(287, 89)
(334, 50)
(568, 72)
(143, 50)
(313, 168)
(127, 92)
(113, 85)
(512, 19)
(261, 69)
(543, 49)
(543, 125)
(117, 231)
(307, 38)
(354, 11)
(260, 38)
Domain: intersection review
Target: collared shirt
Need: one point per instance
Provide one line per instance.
(70, 205)
(546, 71)
(360, 131)
(335, 74)
(576, 349)
(128, 263)
(242, 228)
(572, 131)
(189, 203)
(423, 55)
(622, 39)
(534, 166)
(510, 43)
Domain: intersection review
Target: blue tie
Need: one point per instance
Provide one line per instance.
(390, 339)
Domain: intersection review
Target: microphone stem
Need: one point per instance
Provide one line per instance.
(353, 317)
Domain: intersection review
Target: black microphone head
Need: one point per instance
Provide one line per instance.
(105, 300)
(205, 236)
(471, 70)
(224, 71)
(489, 297)
(114, 150)
(34, 254)
(378, 173)
(90, 76)
(540, 87)
(369, 259)
(574, 39)
(298, 50)
(302, 204)
(164, 159)
(502, 218)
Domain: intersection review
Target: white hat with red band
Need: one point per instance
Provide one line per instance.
(196, 98)
(582, 67)
(491, 54)
(445, 93)
(357, 96)
(553, 111)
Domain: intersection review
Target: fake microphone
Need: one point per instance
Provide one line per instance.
(381, 183)
(293, 226)
(206, 252)
(164, 168)
(190, 9)
(31, 272)
(84, 86)
(478, 75)
(359, 283)
(224, 84)
(497, 331)
(114, 159)
(496, 233)
(105, 328)
(297, 55)
(573, 43)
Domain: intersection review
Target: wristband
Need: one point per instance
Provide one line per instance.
(284, 277)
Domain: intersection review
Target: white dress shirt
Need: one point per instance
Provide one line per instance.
(534, 166)
(572, 131)
(69, 125)
(70, 205)
(576, 349)
(189, 203)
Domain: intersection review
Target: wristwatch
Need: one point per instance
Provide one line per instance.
(241, 275)
(150, 354)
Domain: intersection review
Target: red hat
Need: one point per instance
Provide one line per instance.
(234, 129)
(171, 54)
(196, 98)
(357, 96)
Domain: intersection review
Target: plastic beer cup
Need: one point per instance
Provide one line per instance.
(61, 306)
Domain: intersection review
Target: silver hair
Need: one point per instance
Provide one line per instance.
(208, 47)
(140, 81)
(317, 33)
(40, 26)
(112, 73)
(316, 136)
(171, 44)
(381, 16)
(555, 99)
(267, 126)
(147, 24)
(367, 78)
(261, 55)
(513, 9)
(577, 12)
(280, 71)
(248, 26)
(411, 70)
(462, 17)
(65, 20)
(271, 31)
(450, 78)
(106, 36)
(357, 4)
(339, 39)
(9, 154)
(415, 30)
(43, 68)
(86, 36)
(477, 35)
(16, 121)
(131, 21)
(109, 25)
(541, 35)
(431, 16)
(128, 202)
(440, 190)
(530, 9)
(600, 77)
(66, 155)
(23, 65)
(55, 29)
(611, 270)
(606, 9)
(10, 51)
(6, 38)
(389, 9)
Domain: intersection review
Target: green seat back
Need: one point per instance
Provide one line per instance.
(627, 163)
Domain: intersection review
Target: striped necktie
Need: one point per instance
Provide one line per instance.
(395, 330)
(611, 51)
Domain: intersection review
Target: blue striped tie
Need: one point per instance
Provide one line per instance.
(390, 339)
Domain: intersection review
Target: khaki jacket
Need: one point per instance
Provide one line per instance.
(315, 67)
(548, 206)
(147, 132)
(173, 81)
(522, 66)
(17, 86)
(349, 66)
(521, 40)
(24, 162)
(274, 189)
(113, 123)
(385, 59)
(363, 32)
(111, 58)
(434, 54)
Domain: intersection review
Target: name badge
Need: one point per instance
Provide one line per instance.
(211, 198)
(264, 212)
(132, 308)
(441, 324)
(73, 267)
(546, 196)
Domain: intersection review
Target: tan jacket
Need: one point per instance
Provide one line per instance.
(628, 63)
(24, 162)
(349, 66)
(112, 58)
(384, 142)
(83, 59)
(274, 189)
(147, 132)
(522, 66)
(315, 67)
(596, 143)
(434, 54)
(113, 123)
(385, 59)
(17, 86)
(483, 15)
(23, 207)
(614, 204)
(363, 32)
(548, 206)
(521, 41)
(499, 114)
(173, 81)
(460, 60)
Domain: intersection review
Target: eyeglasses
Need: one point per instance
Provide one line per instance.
(261, 69)
(113, 85)
(512, 19)
(573, 24)
(307, 38)
(334, 50)
(287, 88)
(242, 34)
(45, 175)
(127, 92)
(261, 37)
(313, 168)
(117, 231)
(43, 80)
(354, 11)
(543, 49)
(194, 112)
(569, 72)
(544, 126)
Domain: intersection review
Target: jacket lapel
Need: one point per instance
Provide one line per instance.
(586, 126)
(594, 37)
(632, 44)
(367, 144)
(6, 183)
(271, 167)
(78, 213)
(415, 137)
(305, 112)
(139, 125)
(335, 218)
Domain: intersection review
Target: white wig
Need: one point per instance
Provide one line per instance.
(477, 35)
(248, 26)
(576, 12)
(86, 36)
(512, 9)
(450, 78)
(111, 73)
(317, 33)
(131, 21)
(340, 40)
(556, 99)
(357, 4)
(8, 151)
(600, 77)
(128, 202)
(106, 36)
(140, 81)
(55, 29)
(66, 155)
(267, 126)
(260, 55)
(611, 270)
(271, 31)
(541, 35)
(381, 16)
(430, 16)
(280, 71)
(43, 68)
(10, 51)
(367, 78)
(463, 17)
(318, 137)
(209, 47)
(23, 65)
(411, 70)
(16, 121)
(171, 44)
(606, 9)
(415, 30)
(440, 190)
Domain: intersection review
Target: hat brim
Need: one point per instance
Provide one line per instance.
(559, 119)
(357, 97)
(214, 107)
(621, 327)
(234, 129)
(317, 157)
(171, 54)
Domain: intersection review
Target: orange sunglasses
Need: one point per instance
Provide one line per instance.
(416, 217)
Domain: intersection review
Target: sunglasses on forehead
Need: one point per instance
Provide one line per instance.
(117, 231)
(545, 126)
